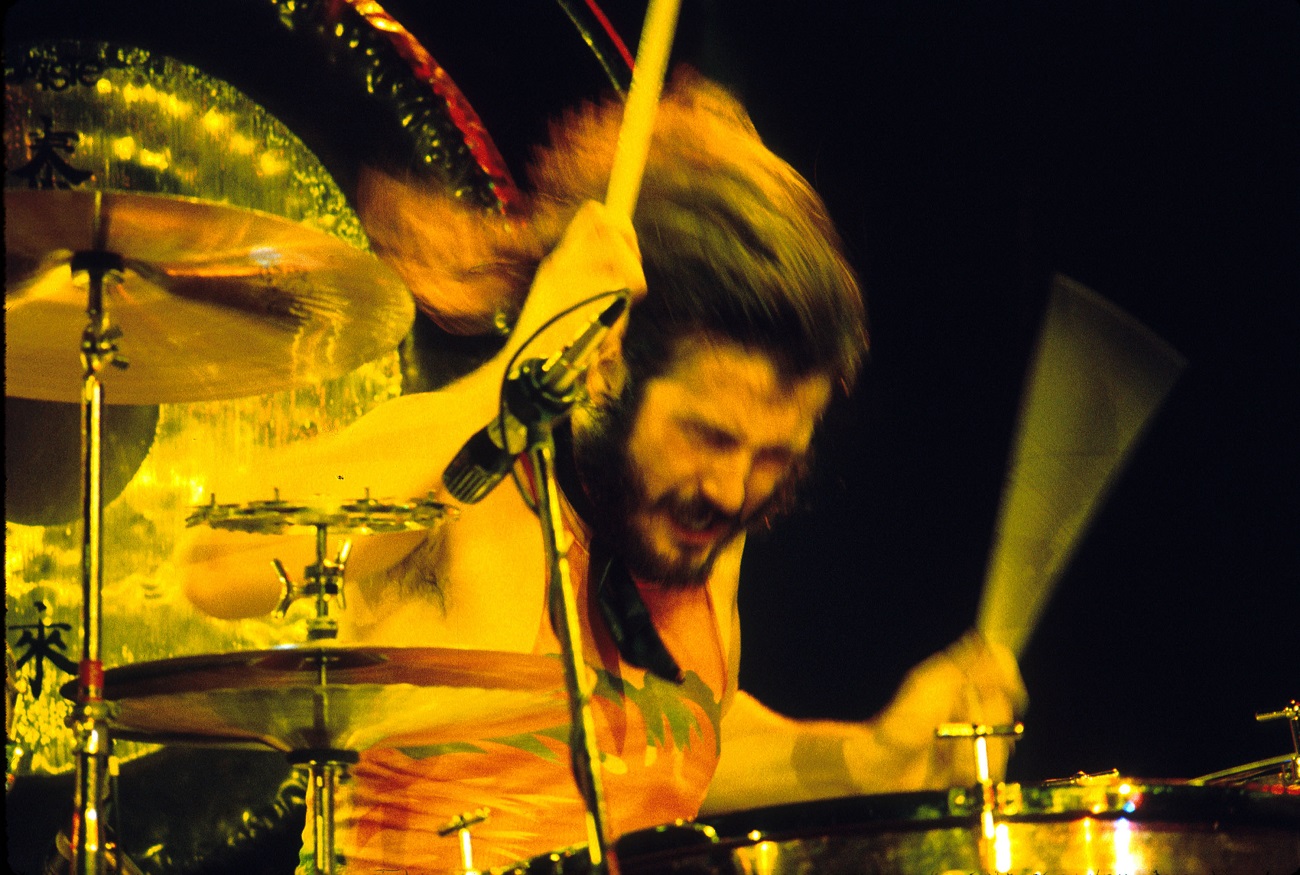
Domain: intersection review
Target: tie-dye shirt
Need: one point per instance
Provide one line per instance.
(659, 747)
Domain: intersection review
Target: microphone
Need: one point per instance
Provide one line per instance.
(540, 390)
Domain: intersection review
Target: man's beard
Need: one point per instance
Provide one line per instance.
(618, 495)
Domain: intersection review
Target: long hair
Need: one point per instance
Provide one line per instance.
(735, 243)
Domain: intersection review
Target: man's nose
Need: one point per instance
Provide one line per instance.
(725, 482)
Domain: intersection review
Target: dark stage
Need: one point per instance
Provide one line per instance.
(1147, 150)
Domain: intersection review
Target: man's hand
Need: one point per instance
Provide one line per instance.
(597, 253)
(971, 681)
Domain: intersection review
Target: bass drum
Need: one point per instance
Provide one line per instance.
(1131, 827)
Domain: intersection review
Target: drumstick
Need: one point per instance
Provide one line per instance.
(1096, 380)
(642, 103)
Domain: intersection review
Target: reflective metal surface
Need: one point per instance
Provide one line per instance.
(266, 105)
(213, 302)
(1117, 826)
(363, 516)
(43, 456)
(154, 126)
(339, 698)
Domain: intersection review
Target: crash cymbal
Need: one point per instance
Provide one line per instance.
(339, 698)
(214, 301)
(362, 516)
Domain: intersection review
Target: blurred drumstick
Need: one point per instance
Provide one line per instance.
(642, 103)
(1097, 378)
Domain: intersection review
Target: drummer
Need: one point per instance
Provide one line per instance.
(695, 428)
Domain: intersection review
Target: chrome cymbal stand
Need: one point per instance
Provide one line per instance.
(89, 719)
(323, 580)
(326, 766)
(1291, 714)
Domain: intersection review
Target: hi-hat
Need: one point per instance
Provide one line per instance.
(316, 698)
(214, 301)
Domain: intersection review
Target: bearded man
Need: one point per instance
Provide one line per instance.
(696, 426)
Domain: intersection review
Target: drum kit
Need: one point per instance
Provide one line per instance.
(261, 302)
(155, 299)
(320, 704)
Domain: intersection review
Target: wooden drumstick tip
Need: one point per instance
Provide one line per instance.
(642, 102)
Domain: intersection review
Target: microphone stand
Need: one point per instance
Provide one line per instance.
(539, 410)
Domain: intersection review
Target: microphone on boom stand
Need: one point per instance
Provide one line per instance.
(540, 389)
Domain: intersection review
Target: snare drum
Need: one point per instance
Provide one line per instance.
(1115, 826)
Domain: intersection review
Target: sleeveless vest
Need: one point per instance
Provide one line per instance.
(658, 743)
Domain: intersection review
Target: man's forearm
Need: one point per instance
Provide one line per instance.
(769, 759)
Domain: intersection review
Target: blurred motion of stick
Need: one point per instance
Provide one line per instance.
(1097, 378)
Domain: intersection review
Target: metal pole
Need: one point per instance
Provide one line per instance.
(90, 717)
(584, 753)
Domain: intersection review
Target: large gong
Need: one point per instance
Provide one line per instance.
(262, 107)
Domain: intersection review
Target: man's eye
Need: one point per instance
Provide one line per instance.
(714, 438)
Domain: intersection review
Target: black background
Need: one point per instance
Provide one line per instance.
(1149, 150)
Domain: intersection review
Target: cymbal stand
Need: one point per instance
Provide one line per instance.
(324, 580)
(539, 409)
(89, 719)
(326, 766)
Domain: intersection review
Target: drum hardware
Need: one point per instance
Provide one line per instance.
(1283, 770)
(191, 275)
(323, 579)
(322, 704)
(991, 850)
(176, 262)
(89, 718)
(350, 41)
(1121, 825)
(325, 769)
(460, 826)
(1291, 714)
(1085, 778)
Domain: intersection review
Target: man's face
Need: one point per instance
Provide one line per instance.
(708, 448)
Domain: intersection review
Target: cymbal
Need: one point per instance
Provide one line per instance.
(214, 301)
(362, 516)
(43, 467)
(306, 698)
